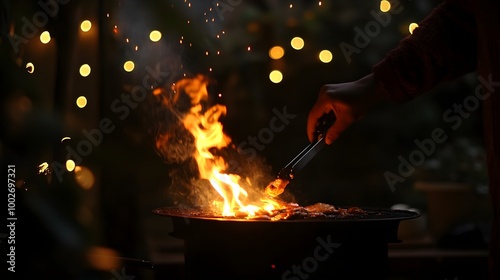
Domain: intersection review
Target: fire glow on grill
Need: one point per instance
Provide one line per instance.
(234, 200)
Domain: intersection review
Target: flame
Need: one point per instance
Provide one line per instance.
(233, 200)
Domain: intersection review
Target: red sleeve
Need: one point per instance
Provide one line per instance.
(443, 47)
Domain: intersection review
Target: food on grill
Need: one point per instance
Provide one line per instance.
(318, 210)
(276, 187)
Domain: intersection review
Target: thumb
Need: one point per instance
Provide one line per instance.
(334, 132)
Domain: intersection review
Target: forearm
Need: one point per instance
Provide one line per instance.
(444, 47)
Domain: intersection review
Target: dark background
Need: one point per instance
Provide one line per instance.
(63, 221)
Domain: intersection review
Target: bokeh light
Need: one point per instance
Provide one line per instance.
(81, 102)
(30, 67)
(85, 25)
(155, 35)
(85, 70)
(70, 165)
(104, 259)
(129, 66)
(412, 27)
(45, 37)
(276, 52)
(325, 56)
(276, 76)
(385, 6)
(297, 43)
(84, 177)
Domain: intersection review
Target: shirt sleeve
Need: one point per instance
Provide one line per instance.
(443, 47)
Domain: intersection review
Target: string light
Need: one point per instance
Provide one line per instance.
(325, 56)
(276, 76)
(81, 101)
(385, 6)
(85, 70)
(412, 27)
(155, 35)
(70, 165)
(297, 43)
(85, 25)
(129, 66)
(276, 52)
(45, 37)
(30, 67)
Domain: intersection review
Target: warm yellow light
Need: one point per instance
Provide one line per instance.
(70, 165)
(81, 102)
(276, 52)
(30, 67)
(103, 259)
(276, 76)
(385, 6)
(85, 25)
(45, 37)
(84, 177)
(129, 66)
(43, 168)
(297, 43)
(325, 56)
(412, 27)
(85, 70)
(155, 35)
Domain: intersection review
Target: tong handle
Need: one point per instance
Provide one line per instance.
(324, 123)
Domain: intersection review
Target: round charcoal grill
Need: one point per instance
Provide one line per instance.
(331, 247)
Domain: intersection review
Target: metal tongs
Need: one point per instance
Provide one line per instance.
(288, 172)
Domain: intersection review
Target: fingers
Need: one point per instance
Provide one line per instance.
(316, 112)
(332, 134)
(336, 130)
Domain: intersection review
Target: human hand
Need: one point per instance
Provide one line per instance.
(349, 101)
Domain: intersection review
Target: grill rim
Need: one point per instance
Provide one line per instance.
(176, 212)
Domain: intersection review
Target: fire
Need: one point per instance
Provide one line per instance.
(208, 132)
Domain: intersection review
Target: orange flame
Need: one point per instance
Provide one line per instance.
(208, 134)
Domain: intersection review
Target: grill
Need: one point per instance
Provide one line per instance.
(328, 247)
